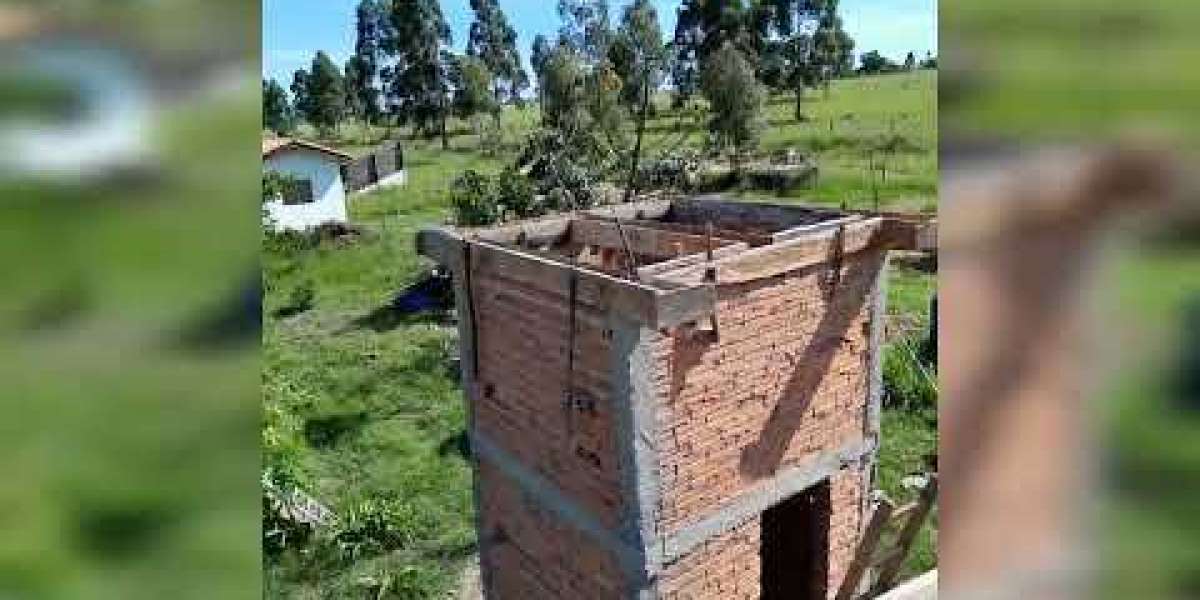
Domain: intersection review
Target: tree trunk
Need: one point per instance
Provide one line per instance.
(445, 117)
(800, 102)
(637, 145)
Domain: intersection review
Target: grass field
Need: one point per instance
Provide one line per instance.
(366, 408)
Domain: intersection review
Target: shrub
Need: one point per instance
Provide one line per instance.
(300, 299)
(473, 200)
(514, 193)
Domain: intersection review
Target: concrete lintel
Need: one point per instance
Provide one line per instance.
(645, 209)
(803, 230)
(546, 494)
(752, 503)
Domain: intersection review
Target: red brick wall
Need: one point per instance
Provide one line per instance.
(522, 340)
(529, 553)
(787, 379)
(845, 524)
(728, 566)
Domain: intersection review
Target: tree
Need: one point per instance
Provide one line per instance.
(703, 27)
(874, 62)
(418, 81)
(910, 62)
(807, 43)
(326, 93)
(355, 77)
(538, 58)
(277, 113)
(472, 84)
(372, 32)
(735, 98)
(637, 52)
(585, 28)
(563, 87)
(494, 41)
(302, 103)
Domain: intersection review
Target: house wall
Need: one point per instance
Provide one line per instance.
(329, 192)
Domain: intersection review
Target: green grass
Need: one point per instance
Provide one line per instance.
(842, 132)
(369, 413)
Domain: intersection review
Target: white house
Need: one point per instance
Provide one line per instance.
(320, 196)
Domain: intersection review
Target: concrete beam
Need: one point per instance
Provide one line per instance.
(753, 503)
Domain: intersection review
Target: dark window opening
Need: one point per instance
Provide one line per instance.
(299, 191)
(794, 546)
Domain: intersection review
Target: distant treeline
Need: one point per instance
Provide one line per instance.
(403, 72)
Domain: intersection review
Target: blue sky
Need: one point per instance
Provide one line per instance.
(293, 30)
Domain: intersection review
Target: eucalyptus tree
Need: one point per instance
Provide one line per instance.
(418, 80)
(494, 42)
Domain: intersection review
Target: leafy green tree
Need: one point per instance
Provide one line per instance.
(637, 52)
(910, 62)
(736, 100)
(418, 85)
(473, 94)
(538, 56)
(494, 41)
(807, 43)
(372, 32)
(326, 93)
(703, 27)
(354, 78)
(277, 113)
(585, 28)
(563, 87)
(832, 46)
(874, 62)
(302, 103)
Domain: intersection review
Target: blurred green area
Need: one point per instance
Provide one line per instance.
(132, 452)
(1054, 69)
(128, 349)
(1093, 74)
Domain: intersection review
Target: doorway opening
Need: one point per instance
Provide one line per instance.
(794, 546)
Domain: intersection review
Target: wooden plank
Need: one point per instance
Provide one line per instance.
(643, 241)
(798, 253)
(737, 215)
(866, 549)
(890, 568)
(533, 233)
(650, 272)
(641, 210)
(754, 238)
(637, 301)
(441, 245)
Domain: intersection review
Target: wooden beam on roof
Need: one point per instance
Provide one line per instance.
(798, 253)
(643, 241)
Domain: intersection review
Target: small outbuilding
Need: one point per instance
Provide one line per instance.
(319, 195)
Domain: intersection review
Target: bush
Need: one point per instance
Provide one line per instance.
(473, 200)
(514, 193)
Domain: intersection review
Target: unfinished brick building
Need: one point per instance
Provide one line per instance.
(671, 399)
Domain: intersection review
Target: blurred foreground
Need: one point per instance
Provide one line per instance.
(1070, 282)
(129, 322)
